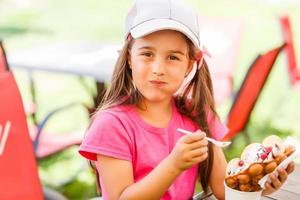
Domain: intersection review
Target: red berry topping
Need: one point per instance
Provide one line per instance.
(268, 149)
(241, 163)
(263, 156)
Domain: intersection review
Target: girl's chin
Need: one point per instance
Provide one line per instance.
(157, 98)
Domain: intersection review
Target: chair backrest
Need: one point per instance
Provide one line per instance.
(18, 167)
(249, 91)
(294, 73)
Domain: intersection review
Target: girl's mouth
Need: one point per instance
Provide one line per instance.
(158, 83)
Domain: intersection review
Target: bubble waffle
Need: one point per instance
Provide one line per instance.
(256, 161)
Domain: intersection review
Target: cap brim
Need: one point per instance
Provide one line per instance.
(154, 25)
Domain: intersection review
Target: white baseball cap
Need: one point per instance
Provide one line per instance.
(148, 16)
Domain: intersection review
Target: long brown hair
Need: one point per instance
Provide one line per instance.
(122, 91)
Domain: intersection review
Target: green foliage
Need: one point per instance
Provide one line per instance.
(69, 174)
(79, 190)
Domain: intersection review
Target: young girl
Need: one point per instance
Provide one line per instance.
(133, 138)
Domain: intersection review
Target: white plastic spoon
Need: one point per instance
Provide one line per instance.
(218, 143)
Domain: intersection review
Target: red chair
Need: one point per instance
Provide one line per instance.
(18, 167)
(289, 49)
(250, 91)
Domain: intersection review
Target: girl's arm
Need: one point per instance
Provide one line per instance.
(117, 175)
(218, 173)
(118, 179)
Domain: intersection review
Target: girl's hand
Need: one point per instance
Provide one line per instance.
(189, 150)
(277, 182)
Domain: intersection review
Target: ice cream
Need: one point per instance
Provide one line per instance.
(256, 161)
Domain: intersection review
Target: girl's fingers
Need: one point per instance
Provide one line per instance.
(290, 168)
(275, 181)
(282, 175)
(200, 158)
(268, 188)
(278, 181)
(198, 152)
(198, 144)
(194, 137)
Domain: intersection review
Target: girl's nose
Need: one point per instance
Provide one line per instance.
(158, 68)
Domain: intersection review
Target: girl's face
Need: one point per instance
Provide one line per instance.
(159, 64)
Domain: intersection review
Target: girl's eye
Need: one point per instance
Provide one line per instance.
(171, 57)
(147, 54)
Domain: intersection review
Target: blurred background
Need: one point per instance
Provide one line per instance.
(33, 24)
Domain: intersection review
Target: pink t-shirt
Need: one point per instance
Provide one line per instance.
(121, 133)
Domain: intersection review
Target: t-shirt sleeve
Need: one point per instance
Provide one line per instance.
(106, 136)
(216, 127)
